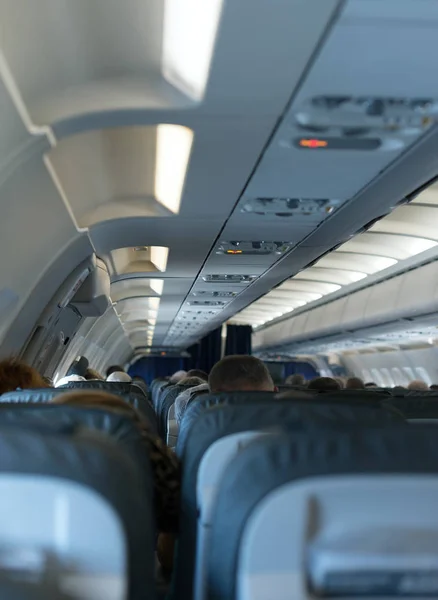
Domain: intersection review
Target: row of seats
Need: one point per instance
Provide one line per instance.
(80, 481)
(285, 497)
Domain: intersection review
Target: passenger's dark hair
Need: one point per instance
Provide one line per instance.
(324, 384)
(114, 369)
(434, 386)
(355, 383)
(15, 373)
(371, 384)
(197, 373)
(240, 373)
(295, 379)
(92, 374)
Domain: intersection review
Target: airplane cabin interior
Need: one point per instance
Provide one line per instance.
(218, 299)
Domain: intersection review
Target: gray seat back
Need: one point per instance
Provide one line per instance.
(326, 508)
(89, 520)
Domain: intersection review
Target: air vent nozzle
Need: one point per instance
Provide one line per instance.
(289, 207)
(206, 303)
(359, 115)
(253, 248)
(246, 279)
(215, 294)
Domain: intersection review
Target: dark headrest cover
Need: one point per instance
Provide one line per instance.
(115, 387)
(37, 395)
(63, 418)
(318, 408)
(417, 407)
(98, 463)
(131, 393)
(274, 461)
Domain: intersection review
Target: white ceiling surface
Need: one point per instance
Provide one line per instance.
(86, 87)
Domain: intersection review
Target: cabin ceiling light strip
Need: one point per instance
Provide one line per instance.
(190, 28)
(174, 144)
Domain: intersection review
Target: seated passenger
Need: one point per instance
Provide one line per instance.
(16, 374)
(91, 374)
(240, 373)
(119, 376)
(434, 387)
(324, 384)
(354, 383)
(419, 385)
(165, 466)
(113, 369)
(176, 377)
(197, 373)
(295, 379)
(183, 399)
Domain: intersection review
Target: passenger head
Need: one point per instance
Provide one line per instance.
(355, 383)
(324, 384)
(371, 384)
(176, 377)
(434, 387)
(295, 379)
(197, 373)
(16, 374)
(240, 373)
(418, 384)
(119, 376)
(191, 381)
(114, 369)
(92, 374)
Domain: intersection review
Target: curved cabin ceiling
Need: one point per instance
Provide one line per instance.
(208, 153)
(389, 242)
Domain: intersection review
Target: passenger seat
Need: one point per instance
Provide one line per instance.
(77, 511)
(328, 514)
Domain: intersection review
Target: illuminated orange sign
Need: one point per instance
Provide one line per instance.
(313, 143)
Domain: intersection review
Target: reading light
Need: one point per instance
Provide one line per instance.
(157, 285)
(190, 28)
(159, 256)
(174, 144)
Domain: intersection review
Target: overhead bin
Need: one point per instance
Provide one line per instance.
(411, 295)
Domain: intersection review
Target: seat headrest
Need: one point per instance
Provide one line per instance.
(115, 387)
(64, 418)
(271, 462)
(98, 463)
(37, 395)
(319, 410)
